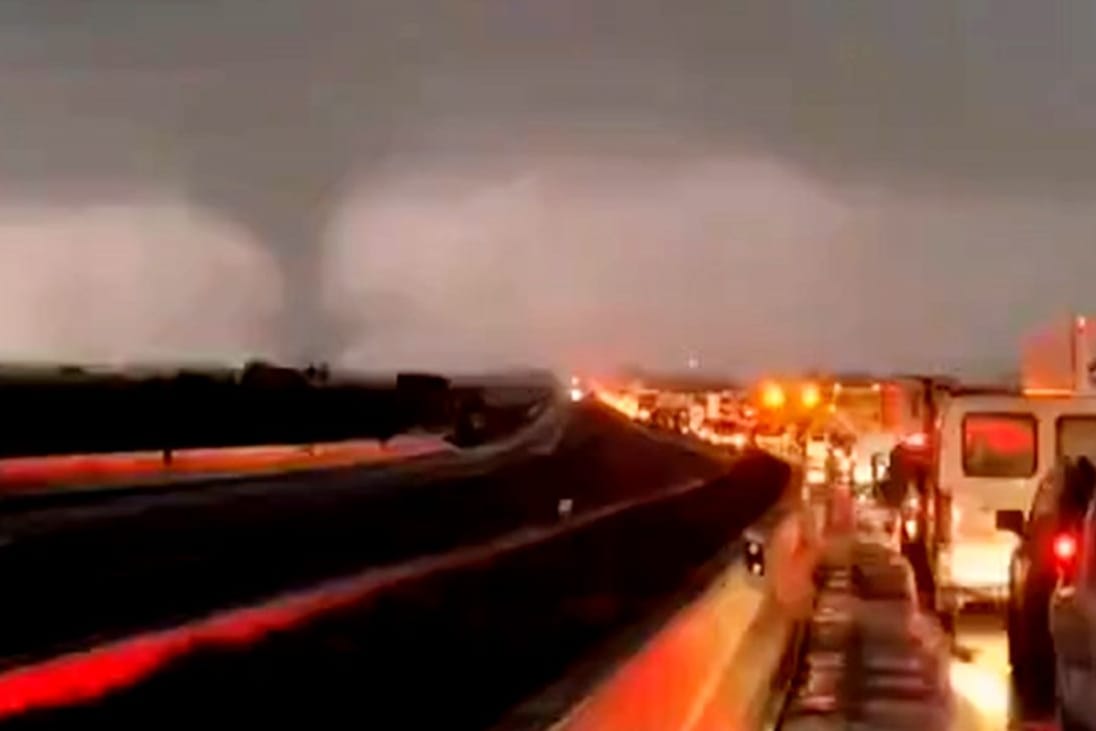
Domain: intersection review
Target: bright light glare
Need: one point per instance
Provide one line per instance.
(862, 473)
(772, 396)
(812, 396)
(917, 441)
(576, 394)
(621, 404)
(986, 691)
(911, 528)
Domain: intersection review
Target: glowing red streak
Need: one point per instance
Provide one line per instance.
(85, 676)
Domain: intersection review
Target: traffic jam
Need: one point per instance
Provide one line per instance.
(986, 490)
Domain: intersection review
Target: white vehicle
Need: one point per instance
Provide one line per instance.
(992, 451)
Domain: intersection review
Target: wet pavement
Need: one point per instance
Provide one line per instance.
(984, 696)
(874, 660)
(871, 658)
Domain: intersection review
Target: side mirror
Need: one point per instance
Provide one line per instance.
(1011, 521)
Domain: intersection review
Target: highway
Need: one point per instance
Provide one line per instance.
(359, 591)
(559, 570)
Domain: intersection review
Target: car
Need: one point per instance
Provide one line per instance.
(1047, 544)
(1073, 627)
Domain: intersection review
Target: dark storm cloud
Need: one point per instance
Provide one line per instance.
(949, 142)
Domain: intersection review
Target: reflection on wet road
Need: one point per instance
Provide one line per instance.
(981, 680)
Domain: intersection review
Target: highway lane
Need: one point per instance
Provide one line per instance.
(98, 568)
(981, 694)
(452, 649)
(984, 693)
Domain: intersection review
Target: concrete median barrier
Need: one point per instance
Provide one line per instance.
(23, 474)
(721, 661)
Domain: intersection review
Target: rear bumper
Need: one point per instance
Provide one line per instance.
(973, 571)
(954, 598)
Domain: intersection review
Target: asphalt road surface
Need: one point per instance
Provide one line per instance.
(454, 647)
(981, 680)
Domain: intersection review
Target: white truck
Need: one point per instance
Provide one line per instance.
(988, 453)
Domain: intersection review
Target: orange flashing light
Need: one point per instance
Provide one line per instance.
(811, 396)
(772, 396)
(1037, 392)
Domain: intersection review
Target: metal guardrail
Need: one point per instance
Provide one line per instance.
(720, 661)
(43, 481)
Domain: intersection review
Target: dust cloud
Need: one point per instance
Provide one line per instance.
(138, 282)
(575, 262)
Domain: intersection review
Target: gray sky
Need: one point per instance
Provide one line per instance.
(468, 182)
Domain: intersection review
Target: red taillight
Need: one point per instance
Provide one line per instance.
(1065, 548)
